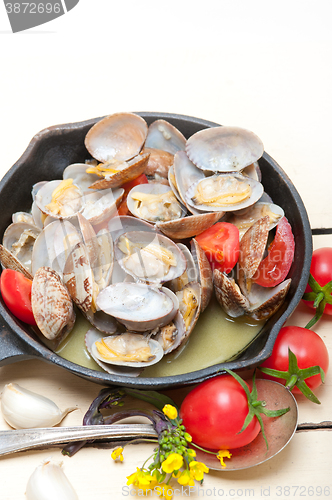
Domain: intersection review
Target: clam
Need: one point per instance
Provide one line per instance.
(224, 149)
(154, 203)
(114, 174)
(243, 220)
(19, 239)
(60, 199)
(127, 349)
(78, 277)
(51, 305)
(117, 137)
(8, 261)
(93, 335)
(190, 274)
(101, 205)
(187, 227)
(252, 247)
(53, 245)
(224, 192)
(171, 335)
(189, 306)
(23, 217)
(185, 175)
(78, 172)
(158, 165)
(229, 295)
(149, 257)
(163, 135)
(138, 306)
(205, 276)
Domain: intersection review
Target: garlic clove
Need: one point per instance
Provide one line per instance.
(24, 409)
(49, 482)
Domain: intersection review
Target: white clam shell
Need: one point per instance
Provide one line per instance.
(163, 135)
(51, 305)
(77, 172)
(224, 149)
(243, 221)
(142, 264)
(19, 239)
(156, 351)
(154, 211)
(119, 136)
(223, 184)
(100, 205)
(72, 207)
(91, 337)
(138, 306)
(186, 174)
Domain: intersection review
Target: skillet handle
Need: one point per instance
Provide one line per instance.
(12, 348)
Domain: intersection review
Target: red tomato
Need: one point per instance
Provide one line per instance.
(141, 179)
(16, 293)
(221, 245)
(214, 412)
(308, 348)
(321, 270)
(275, 267)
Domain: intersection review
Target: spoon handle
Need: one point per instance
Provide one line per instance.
(25, 439)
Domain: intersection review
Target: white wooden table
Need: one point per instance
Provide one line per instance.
(265, 68)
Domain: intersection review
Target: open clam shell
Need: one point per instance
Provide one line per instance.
(122, 173)
(187, 227)
(205, 276)
(78, 172)
(70, 202)
(185, 175)
(163, 135)
(78, 277)
(154, 202)
(149, 257)
(128, 343)
(53, 245)
(119, 136)
(158, 165)
(91, 337)
(224, 192)
(224, 149)
(138, 306)
(189, 306)
(244, 220)
(19, 239)
(100, 205)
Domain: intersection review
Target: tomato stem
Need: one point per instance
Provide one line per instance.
(296, 376)
(320, 296)
(256, 408)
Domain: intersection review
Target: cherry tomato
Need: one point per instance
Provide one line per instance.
(221, 245)
(214, 413)
(16, 293)
(308, 348)
(321, 270)
(275, 267)
(141, 179)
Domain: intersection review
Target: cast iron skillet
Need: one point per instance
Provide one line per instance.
(53, 149)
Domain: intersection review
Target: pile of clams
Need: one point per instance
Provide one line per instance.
(128, 258)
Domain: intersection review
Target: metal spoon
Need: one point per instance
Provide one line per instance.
(25, 439)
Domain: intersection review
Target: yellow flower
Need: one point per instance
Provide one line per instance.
(184, 478)
(188, 437)
(170, 411)
(197, 470)
(223, 454)
(142, 479)
(173, 462)
(117, 453)
(191, 453)
(164, 491)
